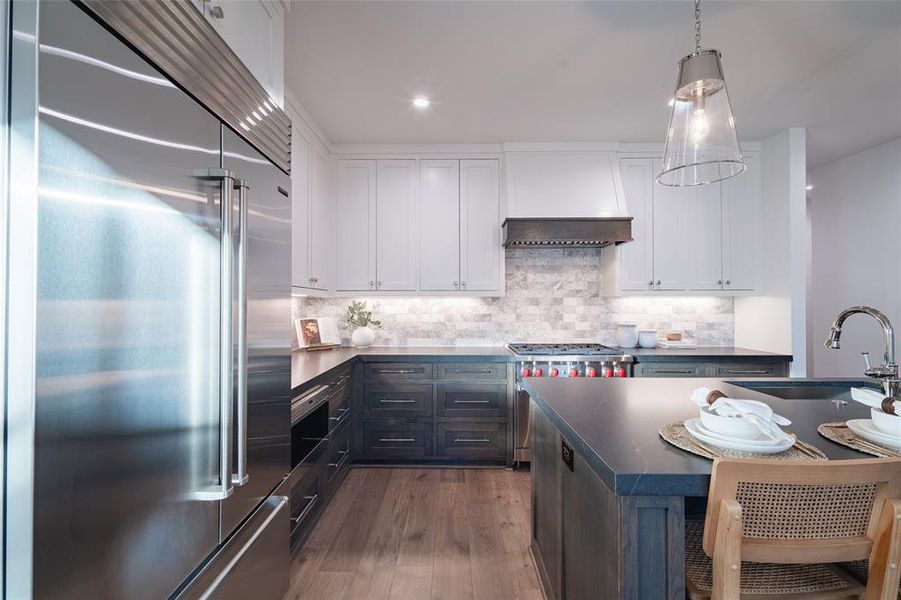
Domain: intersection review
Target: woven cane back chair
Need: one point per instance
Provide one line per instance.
(774, 530)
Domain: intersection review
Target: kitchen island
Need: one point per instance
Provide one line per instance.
(609, 496)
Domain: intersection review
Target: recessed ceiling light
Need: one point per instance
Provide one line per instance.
(421, 102)
(809, 187)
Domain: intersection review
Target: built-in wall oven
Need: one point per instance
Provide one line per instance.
(558, 360)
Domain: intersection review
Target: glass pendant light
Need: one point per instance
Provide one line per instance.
(701, 143)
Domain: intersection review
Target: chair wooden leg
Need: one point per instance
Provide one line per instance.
(727, 552)
(885, 557)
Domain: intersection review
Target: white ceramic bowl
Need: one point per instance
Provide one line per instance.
(890, 424)
(734, 427)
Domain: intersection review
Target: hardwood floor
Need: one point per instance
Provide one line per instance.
(414, 534)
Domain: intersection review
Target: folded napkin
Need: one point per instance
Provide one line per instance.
(872, 398)
(731, 407)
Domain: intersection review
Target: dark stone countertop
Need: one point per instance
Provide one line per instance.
(613, 424)
(307, 366)
(705, 353)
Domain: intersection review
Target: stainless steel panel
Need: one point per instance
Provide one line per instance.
(254, 563)
(522, 419)
(127, 335)
(268, 309)
(176, 37)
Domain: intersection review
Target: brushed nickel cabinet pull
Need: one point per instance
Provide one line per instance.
(465, 440)
(404, 440)
(306, 510)
(672, 371)
(472, 401)
(469, 371)
(396, 401)
(747, 372)
(396, 371)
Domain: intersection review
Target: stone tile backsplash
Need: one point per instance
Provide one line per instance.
(551, 296)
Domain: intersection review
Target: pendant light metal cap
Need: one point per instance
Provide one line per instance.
(700, 72)
(701, 141)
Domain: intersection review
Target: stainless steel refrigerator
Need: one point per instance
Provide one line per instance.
(143, 455)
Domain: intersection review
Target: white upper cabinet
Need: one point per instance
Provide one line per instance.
(356, 225)
(322, 226)
(255, 31)
(692, 240)
(480, 227)
(671, 225)
(703, 237)
(396, 219)
(637, 256)
(563, 184)
(301, 149)
(741, 222)
(439, 225)
(312, 210)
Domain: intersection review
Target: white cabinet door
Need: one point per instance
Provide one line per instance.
(741, 227)
(439, 225)
(480, 244)
(356, 225)
(300, 211)
(322, 228)
(670, 236)
(704, 236)
(397, 220)
(254, 30)
(637, 256)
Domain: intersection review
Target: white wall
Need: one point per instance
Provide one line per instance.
(855, 225)
(775, 319)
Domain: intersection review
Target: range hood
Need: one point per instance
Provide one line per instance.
(580, 232)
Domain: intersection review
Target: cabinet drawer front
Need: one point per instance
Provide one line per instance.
(751, 370)
(472, 370)
(339, 405)
(397, 400)
(398, 370)
(470, 400)
(671, 370)
(476, 441)
(338, 454)
(394, 439)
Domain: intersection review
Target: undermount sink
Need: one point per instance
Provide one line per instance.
(806, 390)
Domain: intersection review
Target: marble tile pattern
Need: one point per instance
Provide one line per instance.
(552, 295)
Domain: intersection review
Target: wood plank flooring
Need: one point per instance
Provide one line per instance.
(421, 534)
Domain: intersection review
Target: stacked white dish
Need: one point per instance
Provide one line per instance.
(881, 428)
(739, 425)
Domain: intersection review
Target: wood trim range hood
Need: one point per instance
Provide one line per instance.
(582, 232)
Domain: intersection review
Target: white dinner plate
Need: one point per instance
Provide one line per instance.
(760, 439)
(867, 430)
(751, 446)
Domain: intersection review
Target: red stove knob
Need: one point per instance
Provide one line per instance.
(554, 372)
(574, 372)
(538, 372)
(607, 372)
(620, 372)
(526, 372)
(591, 372)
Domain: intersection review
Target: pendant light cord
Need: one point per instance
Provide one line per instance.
(697, 26)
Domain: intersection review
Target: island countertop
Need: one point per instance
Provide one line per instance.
(614, 423)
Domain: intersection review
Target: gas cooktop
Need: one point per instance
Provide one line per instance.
(563, 350)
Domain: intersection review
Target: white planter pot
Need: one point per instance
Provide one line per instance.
(362, 337)
(626, 335)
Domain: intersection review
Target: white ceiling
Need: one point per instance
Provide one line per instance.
(513, 71)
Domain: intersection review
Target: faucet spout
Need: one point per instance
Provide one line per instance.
(888, 332)
(887, 372)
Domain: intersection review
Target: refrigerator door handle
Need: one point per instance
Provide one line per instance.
(225, 488)
(241, 477)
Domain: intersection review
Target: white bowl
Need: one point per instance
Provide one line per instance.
(734, 427)
(889, 424)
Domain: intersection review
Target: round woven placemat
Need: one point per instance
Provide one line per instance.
(678, 436)
(839, 433)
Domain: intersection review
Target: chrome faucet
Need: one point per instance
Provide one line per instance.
(887, 372)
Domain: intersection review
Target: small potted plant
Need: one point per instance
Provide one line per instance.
(359, 318)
